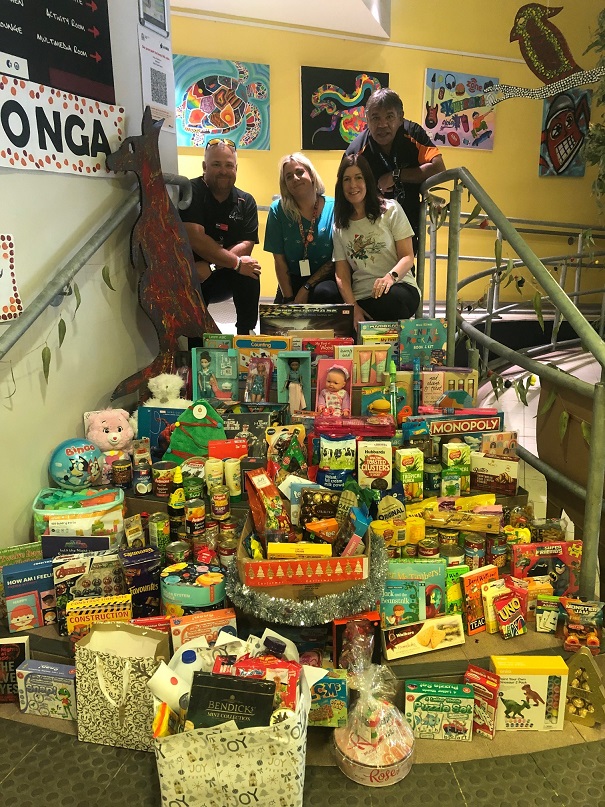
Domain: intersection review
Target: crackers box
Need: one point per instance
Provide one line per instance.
(486, 686)
(422, 637)
(375, 464)
(47, 689)
(204, 623)
(438, 711)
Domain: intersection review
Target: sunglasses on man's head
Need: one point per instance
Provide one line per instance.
(221, 141)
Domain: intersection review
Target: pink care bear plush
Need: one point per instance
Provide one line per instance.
(111, 431)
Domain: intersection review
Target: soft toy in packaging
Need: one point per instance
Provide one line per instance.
(111, 431)
(198, 424)
(165, 389)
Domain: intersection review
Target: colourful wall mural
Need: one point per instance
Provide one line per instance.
(565, 120)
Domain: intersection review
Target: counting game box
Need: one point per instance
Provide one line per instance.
(532, 692)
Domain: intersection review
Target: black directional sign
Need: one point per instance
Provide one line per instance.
(60, 43)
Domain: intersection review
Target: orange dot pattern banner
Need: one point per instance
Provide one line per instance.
(10, 301)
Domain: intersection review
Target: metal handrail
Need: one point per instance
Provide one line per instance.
(593, 494)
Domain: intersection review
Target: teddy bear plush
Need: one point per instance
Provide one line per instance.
(165, 389)
(111, 431)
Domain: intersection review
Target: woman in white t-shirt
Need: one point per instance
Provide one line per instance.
(372, 247)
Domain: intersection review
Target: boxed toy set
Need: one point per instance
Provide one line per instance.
(532, 692)
(438, 711)
(48, 690)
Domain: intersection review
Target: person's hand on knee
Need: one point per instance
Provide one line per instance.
(249, 267)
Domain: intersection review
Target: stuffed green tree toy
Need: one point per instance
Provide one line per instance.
(198, 424)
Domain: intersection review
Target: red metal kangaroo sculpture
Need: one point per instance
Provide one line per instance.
(161, 254)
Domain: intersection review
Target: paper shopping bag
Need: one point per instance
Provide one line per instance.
(113, 664)
(228, 767)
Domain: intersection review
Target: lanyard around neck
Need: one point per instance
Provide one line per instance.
(307, 237)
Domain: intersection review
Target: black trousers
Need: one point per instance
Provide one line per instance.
(224, 284)
(326, 291)
(400, 302)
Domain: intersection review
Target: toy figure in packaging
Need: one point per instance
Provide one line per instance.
(334, 398)
(258, 380)
(296, 397)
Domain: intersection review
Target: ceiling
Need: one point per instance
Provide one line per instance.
(369, 18)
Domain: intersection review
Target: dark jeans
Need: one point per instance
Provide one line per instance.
(400, 302)
(224, 284)
(326, 291)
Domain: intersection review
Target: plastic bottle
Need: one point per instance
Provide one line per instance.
(176, 503)
(185, 662)
(274, 646)
(393, 389)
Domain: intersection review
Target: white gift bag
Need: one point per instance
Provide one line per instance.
(228, 767)
(113, 664)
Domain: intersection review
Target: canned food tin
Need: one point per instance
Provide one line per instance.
(474, 550)
(219, 503)
(475, 540)
(193, 487)
(384, 530)
(178, 552)
(162, 474)
(409, 550)
(212, 532)
(448, 537)
(393, 551)
(432, 533)
(195, 517)
(497, 551)
(226, 552)
(121, 474)
(227, 529)
(141, 479)
(428, 548)
(453, 554)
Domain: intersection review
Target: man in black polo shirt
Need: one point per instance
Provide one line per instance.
(400, 153)
(222, 227)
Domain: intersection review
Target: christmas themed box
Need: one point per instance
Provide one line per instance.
(560, 560)
(438, 711)
(30, 595)
(47, 689)
(532, 692)
(13, 652)
(301, 579)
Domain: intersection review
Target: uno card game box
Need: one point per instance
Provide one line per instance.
(532, 692)
(437, 711)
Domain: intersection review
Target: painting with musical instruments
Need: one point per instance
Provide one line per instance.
(456, 112)
(333, 105)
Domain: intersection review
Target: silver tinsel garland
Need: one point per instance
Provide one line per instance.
(360, 597)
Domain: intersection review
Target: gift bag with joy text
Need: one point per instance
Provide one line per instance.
(113, 664)
(223, 767)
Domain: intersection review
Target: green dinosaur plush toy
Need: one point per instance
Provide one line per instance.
(198, 424)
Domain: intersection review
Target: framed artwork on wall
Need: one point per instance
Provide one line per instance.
(456, 113)
(219, 98)
(565, 121)
(333, 105)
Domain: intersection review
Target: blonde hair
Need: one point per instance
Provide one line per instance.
(290, 207)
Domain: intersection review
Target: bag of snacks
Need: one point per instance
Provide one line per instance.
(376, 747)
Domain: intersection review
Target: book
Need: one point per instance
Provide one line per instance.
(402, 602)
(30, 595)
(216, 699)
(424, 339)
(453, 589)
(489, 591)
(13, 652)
(473, 601)
(561, 560)
(16, 554)
(215, 373)
(431, 571)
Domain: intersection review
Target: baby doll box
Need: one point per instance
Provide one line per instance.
(301, 578)
(91, 511)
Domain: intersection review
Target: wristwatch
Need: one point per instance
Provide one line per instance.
(307, 286)
(394, 275)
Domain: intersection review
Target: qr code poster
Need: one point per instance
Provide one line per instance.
(157, 76)
(217, 98)
(10, 302)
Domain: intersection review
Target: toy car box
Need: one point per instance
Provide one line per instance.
(437, 711)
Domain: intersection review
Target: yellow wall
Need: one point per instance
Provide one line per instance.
(509, 173)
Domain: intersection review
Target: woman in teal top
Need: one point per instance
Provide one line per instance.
(299, 234)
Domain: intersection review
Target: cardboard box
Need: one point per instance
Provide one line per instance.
(30, 595)
(205, 623)
(84, 612)
(486, 686)
(301, 579)
(330, 700)
(409, 472)
(422, 637)
(532, 692)
(437, 711)
(375, 464)
(496, 474)
(370, 362)
(47, 689)
(281, 318)
(215, 373)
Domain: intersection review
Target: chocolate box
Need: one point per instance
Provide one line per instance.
(47, 689)
(496, 474)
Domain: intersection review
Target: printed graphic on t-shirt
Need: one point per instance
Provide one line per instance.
(364, 247)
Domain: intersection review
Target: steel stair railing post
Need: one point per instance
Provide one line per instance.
(421, 256)
(594, 495)
(558, 316)
(453, 252)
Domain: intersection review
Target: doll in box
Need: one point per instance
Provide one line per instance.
(334, 398)
(258, 380)
(296, 396)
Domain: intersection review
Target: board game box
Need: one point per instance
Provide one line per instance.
(438, 711)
